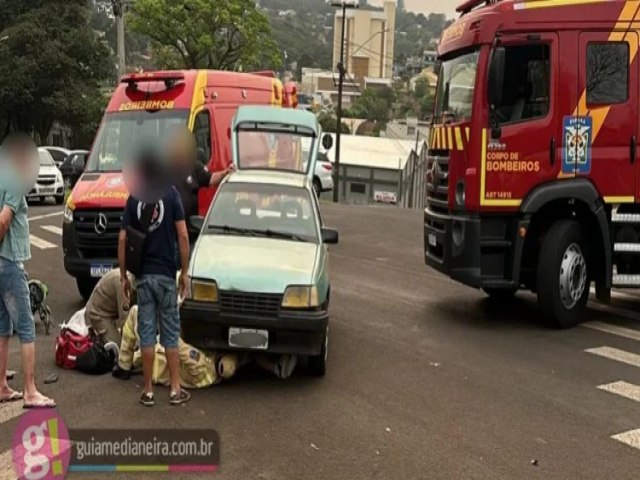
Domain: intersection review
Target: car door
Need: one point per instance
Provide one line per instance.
(605, 132)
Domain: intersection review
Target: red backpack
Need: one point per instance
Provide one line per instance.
(68, 346)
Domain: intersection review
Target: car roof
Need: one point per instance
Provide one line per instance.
(284, 116)
(76, 152)
(60, 149)
(270, 177)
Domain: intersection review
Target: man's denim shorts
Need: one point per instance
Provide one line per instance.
(15, 305)
(158, 307)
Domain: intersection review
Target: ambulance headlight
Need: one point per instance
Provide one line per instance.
(68, 213)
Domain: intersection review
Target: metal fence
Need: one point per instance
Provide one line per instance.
(412, 179)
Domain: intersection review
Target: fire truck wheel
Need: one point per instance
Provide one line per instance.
(85, 287)
(563, 275)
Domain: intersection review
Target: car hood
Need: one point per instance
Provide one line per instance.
(96, 190)
(254, 264)
(48, 170)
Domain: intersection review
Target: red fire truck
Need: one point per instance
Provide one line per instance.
(533, 172)
(147, 105)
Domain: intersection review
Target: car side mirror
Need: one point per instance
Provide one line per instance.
(196, 222)
(496, 77)
(327, 141)
(330, 236)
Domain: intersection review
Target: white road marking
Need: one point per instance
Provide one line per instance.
(631, 438)
(10, 410)
(624, 389)
(47, 215)
(52, 229)
(41, 244)
(616, 354)
(6, 466)
(613, 330)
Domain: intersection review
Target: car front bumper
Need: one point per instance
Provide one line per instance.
(54, 190)
(205, 326)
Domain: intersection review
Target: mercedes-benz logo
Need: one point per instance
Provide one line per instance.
(433, 175)
(100, 224)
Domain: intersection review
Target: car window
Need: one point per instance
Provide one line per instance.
(58, 156)
(264, 210)
(78, 160)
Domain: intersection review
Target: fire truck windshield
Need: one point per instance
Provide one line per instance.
(121, 131)
(456, 82)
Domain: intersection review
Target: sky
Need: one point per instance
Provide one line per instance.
(428, 6)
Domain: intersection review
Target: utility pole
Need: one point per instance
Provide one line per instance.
(118, 11)
(344, 4)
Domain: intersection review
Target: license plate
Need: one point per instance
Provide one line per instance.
(248, 338)
(99, 271)
(432, 240)
(47, 190)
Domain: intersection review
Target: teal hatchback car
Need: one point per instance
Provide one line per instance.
(260, 268)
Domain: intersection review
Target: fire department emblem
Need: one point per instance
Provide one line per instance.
(576, 151)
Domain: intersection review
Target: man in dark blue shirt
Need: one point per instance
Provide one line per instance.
(156, 285)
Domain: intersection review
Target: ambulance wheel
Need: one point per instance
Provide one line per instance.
(317, 364)
(86, 285)
(563, 275)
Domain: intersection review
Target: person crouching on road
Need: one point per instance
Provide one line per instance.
(15, 307)
(107, 310)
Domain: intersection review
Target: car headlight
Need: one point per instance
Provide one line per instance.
(59, 178)
(300, 297)
(68, 213)
(203, 291)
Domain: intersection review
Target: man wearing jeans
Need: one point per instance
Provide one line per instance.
(15, 306)
(156, 287)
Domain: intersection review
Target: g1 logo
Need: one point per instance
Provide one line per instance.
(41, 446)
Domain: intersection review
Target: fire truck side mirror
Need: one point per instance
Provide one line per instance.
(496, 76)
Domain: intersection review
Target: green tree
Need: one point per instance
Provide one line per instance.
(48, 67)
(329, 124)
(422, 87)
(223, 35)
(374, 105)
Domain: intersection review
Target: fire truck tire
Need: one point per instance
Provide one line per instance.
(86, 286)
(563, 275)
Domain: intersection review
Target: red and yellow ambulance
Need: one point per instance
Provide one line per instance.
(146, 105)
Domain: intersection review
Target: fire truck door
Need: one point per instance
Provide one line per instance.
(600, 141)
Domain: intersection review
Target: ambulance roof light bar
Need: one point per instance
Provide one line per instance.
(169, 78)
(466, 7)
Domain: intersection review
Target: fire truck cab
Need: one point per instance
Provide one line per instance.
(533, 175)
(148, 105)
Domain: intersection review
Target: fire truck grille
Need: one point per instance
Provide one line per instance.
(262, 304)
(97, 232)
(437, 183)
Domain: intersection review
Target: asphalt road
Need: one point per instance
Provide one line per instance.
(427, 379)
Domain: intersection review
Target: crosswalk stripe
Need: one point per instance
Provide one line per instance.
(616, 354)
(613, 329)
(6, 466)
(48, 215)
(41, 244)
(631, 438)
(52, 229)
(624, 389)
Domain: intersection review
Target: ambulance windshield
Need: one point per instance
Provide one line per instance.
(122, 131)
(456, 82)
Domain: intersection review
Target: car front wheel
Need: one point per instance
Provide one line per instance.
(317, 364)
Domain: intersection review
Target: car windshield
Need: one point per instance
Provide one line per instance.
(456, 83)
(45, 159)
(276, 149)
(273, 211)
(122, 131)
